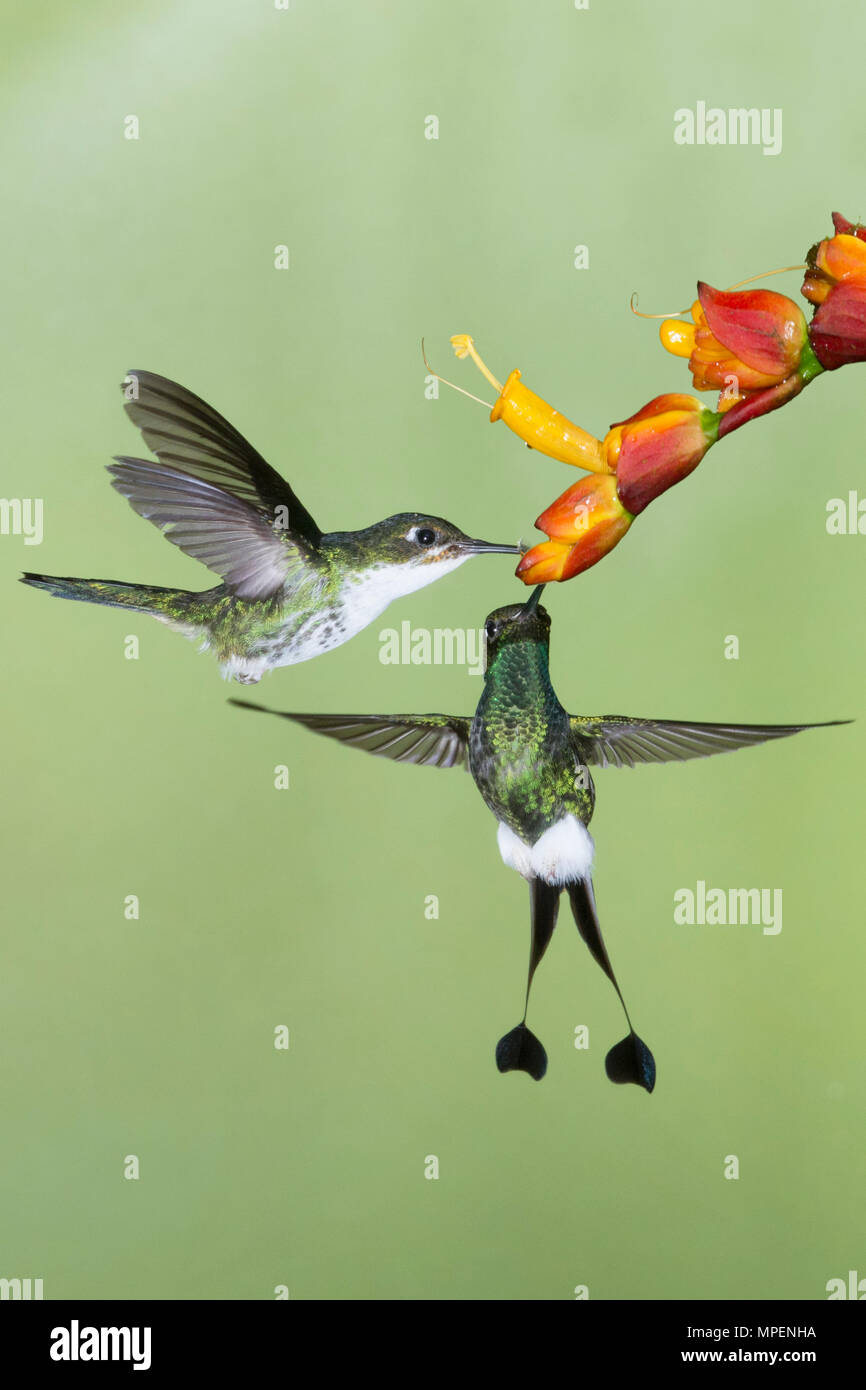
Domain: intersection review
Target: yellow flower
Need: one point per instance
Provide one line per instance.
(533, 420)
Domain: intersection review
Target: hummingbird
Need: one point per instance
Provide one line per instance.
(289, 591)
(530, 761)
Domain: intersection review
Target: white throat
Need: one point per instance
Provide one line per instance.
(370, 591)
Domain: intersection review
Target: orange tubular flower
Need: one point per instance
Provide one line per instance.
(835, 260)
(583, 525)
(658, 446)
(741, 340)
(836, 283)
(544, 563)
(533, 420)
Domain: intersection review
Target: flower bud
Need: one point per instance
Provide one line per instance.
(658, 446)
(838, 330)
(583, 525)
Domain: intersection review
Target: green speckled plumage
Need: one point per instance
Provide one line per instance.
(520, 745)
(529, 759)
(290, 591)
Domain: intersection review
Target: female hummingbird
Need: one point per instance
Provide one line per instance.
(530, 761)
(290, 591)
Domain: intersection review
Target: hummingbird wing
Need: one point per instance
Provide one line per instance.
(432, 740)
(212, 493)
(188, 434)
(615, 740)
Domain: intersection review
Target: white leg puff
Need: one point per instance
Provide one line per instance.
(563, 854)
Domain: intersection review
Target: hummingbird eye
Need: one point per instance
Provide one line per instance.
(424, 536)
(490, 628)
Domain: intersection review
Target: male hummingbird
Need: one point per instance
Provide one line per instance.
(530, 761)
(289, 590)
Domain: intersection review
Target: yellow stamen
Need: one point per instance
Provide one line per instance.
(446, 382)
(465, 347)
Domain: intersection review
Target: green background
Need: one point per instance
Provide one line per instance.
(306, 907)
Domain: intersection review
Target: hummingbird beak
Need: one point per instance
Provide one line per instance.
(532, 602)
(490, 548)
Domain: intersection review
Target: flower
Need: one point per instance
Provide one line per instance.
(752, 345)
(658, 446)
(583, 525)
(533, 420)
(544, 563)
(836, 283)
(846, 228)
(741, 339)
(836, 259)
(838, 330)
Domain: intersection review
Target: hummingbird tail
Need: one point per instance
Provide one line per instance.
(521, 1050)
(631, 1059)
(142, 598)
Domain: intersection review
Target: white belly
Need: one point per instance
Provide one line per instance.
(363, 598)
(563, 854)
(318, 634)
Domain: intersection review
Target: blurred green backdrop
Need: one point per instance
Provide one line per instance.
(305, 1168)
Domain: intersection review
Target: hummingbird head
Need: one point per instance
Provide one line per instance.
(517, 623)
(410, 550)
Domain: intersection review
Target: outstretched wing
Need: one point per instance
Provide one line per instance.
(211, 492)
(186, 433)
(615, 740)
(431, 740)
